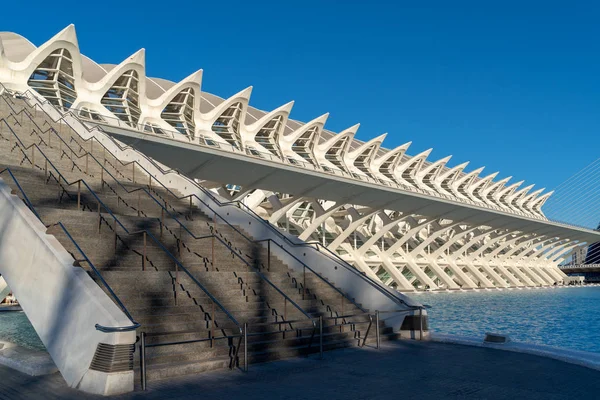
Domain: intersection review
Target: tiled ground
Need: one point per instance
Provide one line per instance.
(410, 370)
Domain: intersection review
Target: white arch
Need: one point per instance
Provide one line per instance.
(298, 146)
(385, 165)
(270, 128)
(224, 122)
(361, 159)
(331, 153)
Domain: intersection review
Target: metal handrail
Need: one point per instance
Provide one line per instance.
(134, 325)
(183, 226)
(336, 258)
(114, 217)
(172, 216)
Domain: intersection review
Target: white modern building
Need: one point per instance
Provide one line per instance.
(408, 221)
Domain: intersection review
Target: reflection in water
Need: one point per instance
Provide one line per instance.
(563, 317)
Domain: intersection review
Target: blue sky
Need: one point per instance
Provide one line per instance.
(513, 86)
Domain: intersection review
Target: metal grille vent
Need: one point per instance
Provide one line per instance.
(113, 358)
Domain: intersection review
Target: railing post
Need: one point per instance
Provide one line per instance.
(79, 195)
(86, 162)
(162, 221)
(269, 255)
(143, 359)
(420, 323)
(246, 346)
(190, 206)
(303, 281)
(378, 338)
(177, 269)
(32, 156)
(212, 325)
(99, 218)
(144, 253)
(138, 204)
(284, 315)
(342, 311)
(321, 336)
(115, 227)
(133, 171)
(46, 170)
(213, 251)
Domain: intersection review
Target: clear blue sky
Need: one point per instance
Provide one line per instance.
(514, 86)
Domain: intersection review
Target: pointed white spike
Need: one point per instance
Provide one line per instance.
(243, 93)
(287, 107)
(139, 57)
(2, 54)
(379, 138)
(196, 77)
(353, 128)
(68, 35)
(321, 120)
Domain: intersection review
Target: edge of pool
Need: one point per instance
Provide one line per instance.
(28, 361)
(582, 358)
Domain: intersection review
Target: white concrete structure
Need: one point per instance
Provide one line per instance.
(63, 303)
(414, 224)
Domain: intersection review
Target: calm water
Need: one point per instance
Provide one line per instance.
(566, 317)
(16, 328)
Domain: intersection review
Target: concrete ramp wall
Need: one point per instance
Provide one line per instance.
(62, 302)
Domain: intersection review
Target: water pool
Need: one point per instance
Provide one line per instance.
(563, 317)
(16, 328)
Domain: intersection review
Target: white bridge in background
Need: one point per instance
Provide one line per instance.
(411, 223)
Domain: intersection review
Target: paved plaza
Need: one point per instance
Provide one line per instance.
(405, 369)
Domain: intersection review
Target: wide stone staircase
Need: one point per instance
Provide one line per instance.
(194, 283)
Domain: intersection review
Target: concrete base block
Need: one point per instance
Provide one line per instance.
(101, 383)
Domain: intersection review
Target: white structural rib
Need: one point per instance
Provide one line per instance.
(225, 120)
(361, 159)
(298, 146)
(436, 227)
(331, 154)
(265, 134)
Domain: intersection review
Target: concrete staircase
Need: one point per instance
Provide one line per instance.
(182, 276)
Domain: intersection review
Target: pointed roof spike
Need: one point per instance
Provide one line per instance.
(139, 57)
(68, 34)
(353, 127)
(287, 106)
(244, 93)
(426, 152)
(322, 119)
(445, 159)
(2, 55)
(379, 138)
(195, 77)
